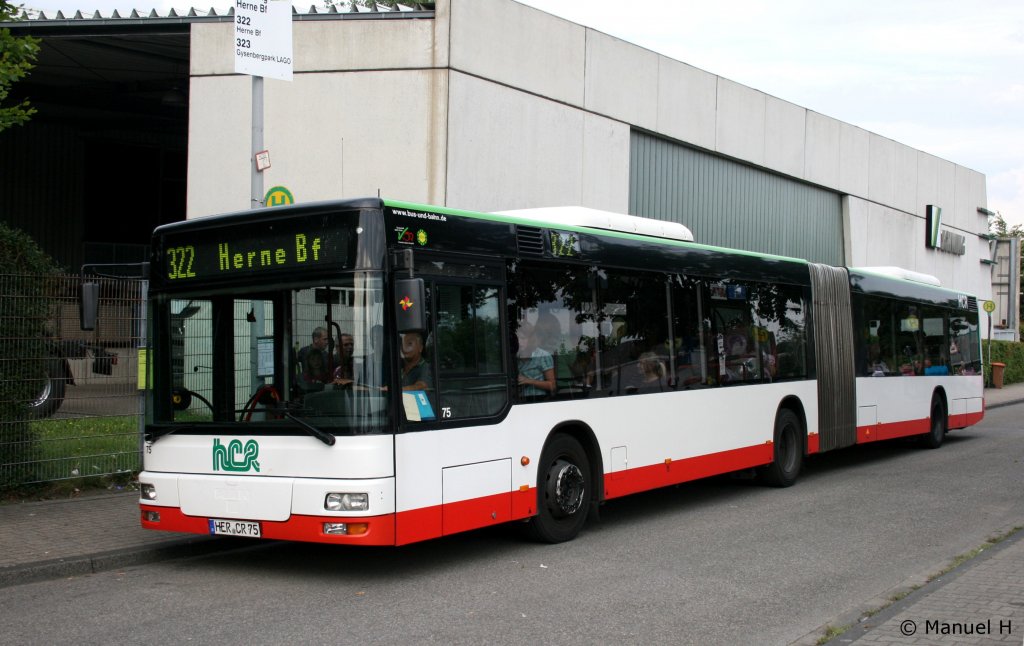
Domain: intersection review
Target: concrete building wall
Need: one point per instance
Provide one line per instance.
(510, 150)
(687, 103)
(517, 46)
(495, 105)
(356, 119)
(621, 81)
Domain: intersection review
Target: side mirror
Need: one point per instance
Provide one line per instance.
(410, 305)
(89, 305)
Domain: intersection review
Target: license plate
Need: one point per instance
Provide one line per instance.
(220, 527)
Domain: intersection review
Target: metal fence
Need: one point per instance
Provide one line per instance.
(70, 403)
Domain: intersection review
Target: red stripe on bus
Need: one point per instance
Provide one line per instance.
(893, 430)
(623, 483)
(380, 529)
(417, 525)
(965, 420)
(813, 443)
(524, 502)
(431, 522)
(478, 512)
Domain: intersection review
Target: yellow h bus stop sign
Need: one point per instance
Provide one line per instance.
(278, 196)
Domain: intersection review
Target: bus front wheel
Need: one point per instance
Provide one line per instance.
(787, 451)
(564, 491)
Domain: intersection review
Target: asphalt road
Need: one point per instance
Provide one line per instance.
(718, 562)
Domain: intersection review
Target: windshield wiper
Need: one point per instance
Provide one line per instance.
(323, 436)
(154, 434)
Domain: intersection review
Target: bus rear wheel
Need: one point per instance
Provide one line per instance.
(787, 451)
(564, 491)
(938, 422)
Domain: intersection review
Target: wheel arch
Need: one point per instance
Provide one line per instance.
(582, 433)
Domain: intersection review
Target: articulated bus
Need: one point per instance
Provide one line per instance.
(375, 372)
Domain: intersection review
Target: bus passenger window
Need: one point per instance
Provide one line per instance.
(780, 332)
(936, 348)
(879, 355)
(909, 341)
(554, 334)
(737, 356)
(636, 353)
(687, 359)
(963, 344)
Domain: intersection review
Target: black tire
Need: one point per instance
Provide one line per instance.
(939, 422)
(49, 394)
(787, 451)
(564, 491)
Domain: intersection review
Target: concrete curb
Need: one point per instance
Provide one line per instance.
(1010, 402)
(114, 559)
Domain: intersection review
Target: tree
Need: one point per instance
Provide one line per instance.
(997, 226)
(17, 58)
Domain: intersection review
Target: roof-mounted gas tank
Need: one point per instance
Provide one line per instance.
(581, 216)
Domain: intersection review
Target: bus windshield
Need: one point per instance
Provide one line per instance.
(255, 357)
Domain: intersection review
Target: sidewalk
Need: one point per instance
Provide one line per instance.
(1011, 394)
(51, 539)
(58, 538)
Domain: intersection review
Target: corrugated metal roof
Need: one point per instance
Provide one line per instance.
(345, 8)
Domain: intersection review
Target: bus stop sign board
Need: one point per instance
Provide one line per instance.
(262, 38)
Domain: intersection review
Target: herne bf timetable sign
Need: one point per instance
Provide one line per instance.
(262, 38)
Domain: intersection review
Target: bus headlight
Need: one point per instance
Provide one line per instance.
(347, 502)
(147, 490)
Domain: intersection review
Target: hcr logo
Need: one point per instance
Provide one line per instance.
(234, 457)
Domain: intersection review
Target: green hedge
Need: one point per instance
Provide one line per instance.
(1008, 352)
(22, 334)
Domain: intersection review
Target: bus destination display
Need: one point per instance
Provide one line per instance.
(279, 246)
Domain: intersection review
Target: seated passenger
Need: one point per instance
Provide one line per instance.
(654, 373)
(876, 365)
(313, 359)
(536, 366)
(648, 377)
(415, 369)
(345, 369)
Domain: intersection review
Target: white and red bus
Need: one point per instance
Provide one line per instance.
(471, 369)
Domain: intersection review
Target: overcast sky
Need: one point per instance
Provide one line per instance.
(942, 76)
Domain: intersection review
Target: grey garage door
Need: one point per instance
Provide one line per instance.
(729, 204)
